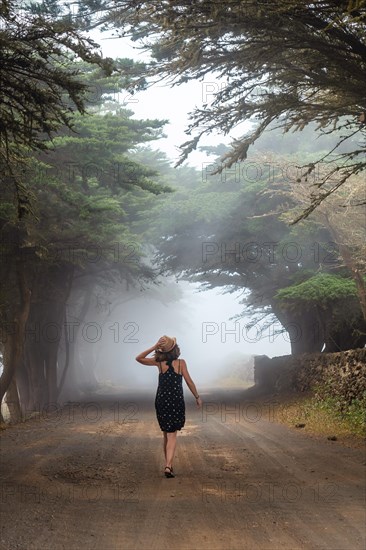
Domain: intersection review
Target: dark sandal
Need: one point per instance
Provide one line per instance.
(170, 473)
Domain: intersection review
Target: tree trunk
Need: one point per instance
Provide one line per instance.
(346, 337)
(348, 259)
(66, 361)
(305, 332)
(12, 401)
(34, 363)
(23, 384)
(71, 379)
(357, 276)
(44, 331)
(14, 342)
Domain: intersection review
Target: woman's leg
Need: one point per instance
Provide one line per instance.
(170, 448)
(165, 442)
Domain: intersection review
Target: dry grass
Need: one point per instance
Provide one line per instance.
(320, 419)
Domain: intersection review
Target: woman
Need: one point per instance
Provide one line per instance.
(169, 401)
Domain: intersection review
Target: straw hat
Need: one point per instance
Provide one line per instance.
(167, 344)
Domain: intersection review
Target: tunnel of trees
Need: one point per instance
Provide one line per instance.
(87, 207)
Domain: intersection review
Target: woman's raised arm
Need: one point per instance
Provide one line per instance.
(141, 357)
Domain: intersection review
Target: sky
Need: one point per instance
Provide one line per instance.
(164, 102)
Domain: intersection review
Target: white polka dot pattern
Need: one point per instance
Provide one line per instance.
(169, 401)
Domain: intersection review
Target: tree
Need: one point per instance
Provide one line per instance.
(332, 301)
(85, 192)
(36, 90)
(231, 233)
(37, 96)
(345, 219)
(285, 63)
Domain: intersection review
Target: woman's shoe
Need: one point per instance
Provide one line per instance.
(168, 472)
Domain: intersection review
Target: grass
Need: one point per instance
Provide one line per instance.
(324, 417)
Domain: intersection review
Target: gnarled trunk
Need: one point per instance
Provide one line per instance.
(306, 332)
(14, 342)
(44, 330)
(70, 378)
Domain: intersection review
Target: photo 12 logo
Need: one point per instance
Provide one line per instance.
(271, 252)
(289, 492)
(250, 333)
(90, 332)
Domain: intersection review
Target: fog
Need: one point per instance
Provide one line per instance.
(218, 352)
(202, 321)
(217, 349)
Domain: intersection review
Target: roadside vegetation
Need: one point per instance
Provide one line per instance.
(319, 414)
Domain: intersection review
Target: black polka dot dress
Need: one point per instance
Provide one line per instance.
(169, 401)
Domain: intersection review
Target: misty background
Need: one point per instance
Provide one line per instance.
(218, 350)
(217, 347)
(107, 177)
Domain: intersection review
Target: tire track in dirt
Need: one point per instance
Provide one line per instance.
(238, 485)
(326, 478)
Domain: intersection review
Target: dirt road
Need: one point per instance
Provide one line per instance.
(90, 476)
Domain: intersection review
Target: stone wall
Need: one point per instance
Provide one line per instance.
(344, 373)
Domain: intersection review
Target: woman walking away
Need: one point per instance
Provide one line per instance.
(169, 401)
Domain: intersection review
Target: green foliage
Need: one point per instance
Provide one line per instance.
(86, 192)
(34, 105)
(321, 289)
(273, 64)
(352, 412)
(233, 233)
(324, 415)
(228, 214)
(40, 89)
(91, 188)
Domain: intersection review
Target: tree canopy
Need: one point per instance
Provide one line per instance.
(278, 63)
(235, 235)
(81, 238)
(83, 198)
(37, 96)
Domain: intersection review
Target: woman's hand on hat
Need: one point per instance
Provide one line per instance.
(160, 342)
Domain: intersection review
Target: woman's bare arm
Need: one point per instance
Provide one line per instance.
(190, 383)
(141, 357)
